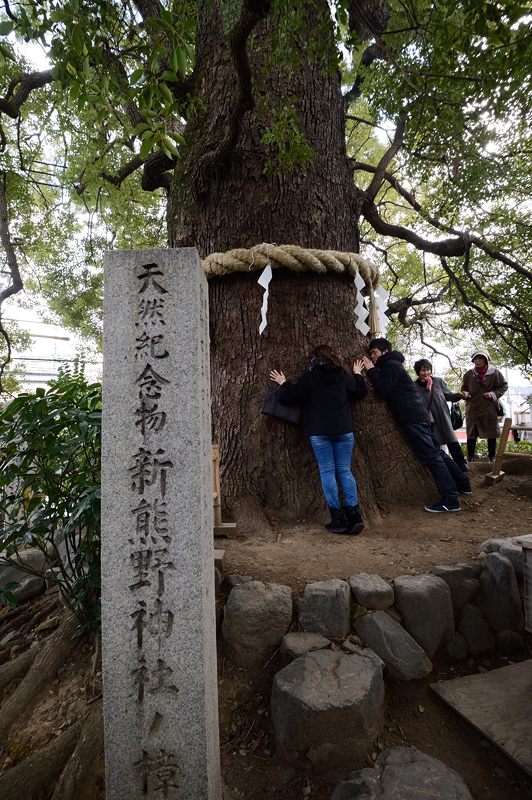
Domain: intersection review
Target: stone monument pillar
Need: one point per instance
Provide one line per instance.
(158, 620)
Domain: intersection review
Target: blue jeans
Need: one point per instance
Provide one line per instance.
(333, 454)
(448, 476)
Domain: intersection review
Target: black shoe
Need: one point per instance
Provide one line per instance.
(354, 519)
(338, 522)
(442, 508)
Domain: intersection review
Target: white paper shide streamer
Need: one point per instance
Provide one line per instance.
(382, 297)
(264, 281)
(361, 312)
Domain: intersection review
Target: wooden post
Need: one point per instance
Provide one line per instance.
(227, 529)
(216, 495)
(496, 474)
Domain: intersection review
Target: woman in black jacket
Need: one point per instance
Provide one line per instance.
(323, 393)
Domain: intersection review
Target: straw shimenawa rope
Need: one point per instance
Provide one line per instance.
(297, 259)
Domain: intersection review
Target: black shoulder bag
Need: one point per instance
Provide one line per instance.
(457, 419)
(273, 408)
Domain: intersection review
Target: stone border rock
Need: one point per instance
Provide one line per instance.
(464, 610)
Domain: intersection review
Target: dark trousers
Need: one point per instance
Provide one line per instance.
(448, 476)
(455, 451)
(472, 444)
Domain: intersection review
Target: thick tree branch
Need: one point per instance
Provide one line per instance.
(20, 88)
(404, 304)
(445, 247)
(152, 9)
(253, 12)
(155, 174)
(367, 17)
(411, 200)
(11, 257)
(148, 9)
(127, 170)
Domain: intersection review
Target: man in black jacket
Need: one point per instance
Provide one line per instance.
(391, 381)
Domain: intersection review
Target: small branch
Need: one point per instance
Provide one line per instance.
(127, 170)
(369, 55)
(15, 284)
(8, 11)
(403, 304)
(389, 155)
(485, 314)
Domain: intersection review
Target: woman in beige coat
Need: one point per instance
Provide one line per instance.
(481, 388)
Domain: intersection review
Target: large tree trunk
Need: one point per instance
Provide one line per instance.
(237, 201)
(269, 462)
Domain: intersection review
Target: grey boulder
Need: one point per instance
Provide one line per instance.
(499, 598)
(403, 657)
(297, 643)
(475, 630)
(462, 582)
(506, 547)
(327, 709)
(257, 616)
(371, 591)
(404, 773)
(326, 608)
(425, 605)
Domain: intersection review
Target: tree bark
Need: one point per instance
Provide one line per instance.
(83, 776)
(238, 201)
(269, 464)
(34, 777)
(19, 706)
(16, 668)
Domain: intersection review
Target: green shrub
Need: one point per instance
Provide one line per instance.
(50, 455)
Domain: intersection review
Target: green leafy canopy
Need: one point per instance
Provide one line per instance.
(453, 78)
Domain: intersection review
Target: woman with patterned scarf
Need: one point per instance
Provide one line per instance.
(482, 387)
(435, 394)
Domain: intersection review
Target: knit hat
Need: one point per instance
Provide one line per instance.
(481, 353)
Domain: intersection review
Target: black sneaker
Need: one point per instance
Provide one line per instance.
(442, 508)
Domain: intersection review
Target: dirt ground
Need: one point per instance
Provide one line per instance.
(408, 540)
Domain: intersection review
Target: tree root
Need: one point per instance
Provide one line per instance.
(251, 519)
(19, 705)
(5, 651)
(39, 616)
(17, 622)
(83, 776)
(37, 773)
(17, 667)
